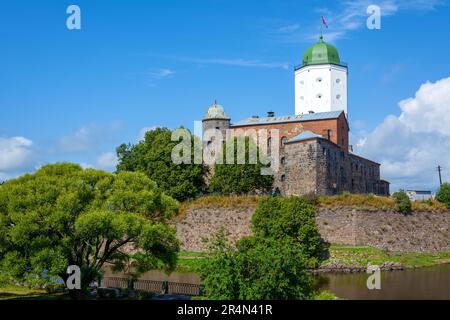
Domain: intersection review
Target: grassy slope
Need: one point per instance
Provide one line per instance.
(343, 255)
(363, 255)
(10, 292)
(368, 202)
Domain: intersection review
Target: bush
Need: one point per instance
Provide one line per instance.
(53, 287)
(443, 194)
(257, 269)
(293, 218)
(402, 202)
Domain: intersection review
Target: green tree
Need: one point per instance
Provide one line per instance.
(256, 269)
(234, 178)
(402, 202)
(153, 156)
(63, 215)
(278, 218)
(443, 194)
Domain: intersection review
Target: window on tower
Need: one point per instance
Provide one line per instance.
(319, 95)
(338, 81)
(319, 79)
(338, 96)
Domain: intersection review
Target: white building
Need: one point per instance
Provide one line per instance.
(321, 81)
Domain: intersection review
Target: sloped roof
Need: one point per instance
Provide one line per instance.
(304, 136)
(289, 118)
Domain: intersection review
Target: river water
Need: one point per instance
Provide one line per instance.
(416, 284)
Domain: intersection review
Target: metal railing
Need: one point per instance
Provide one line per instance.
(342, 64)
(161, 287)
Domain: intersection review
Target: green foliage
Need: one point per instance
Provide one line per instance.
(402, 202)
(63, 215)
(325, 295)
(278, 218)
(257, 269)
(443, 194)
(153, 156)
(272, 264)
(234, 178)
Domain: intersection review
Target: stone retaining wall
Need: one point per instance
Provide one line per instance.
(419, 232)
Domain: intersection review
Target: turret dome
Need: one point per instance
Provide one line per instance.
(216, 111)
(321, 53)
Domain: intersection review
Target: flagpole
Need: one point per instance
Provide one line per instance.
(321, 29)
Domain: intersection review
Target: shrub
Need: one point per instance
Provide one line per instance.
(257, 269)
(293, 218)
(402, 202)
(443, 194)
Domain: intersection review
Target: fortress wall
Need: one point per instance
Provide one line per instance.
(419, 232)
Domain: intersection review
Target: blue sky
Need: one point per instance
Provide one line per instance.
(76, 95)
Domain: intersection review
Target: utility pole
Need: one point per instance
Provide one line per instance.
(440, 176)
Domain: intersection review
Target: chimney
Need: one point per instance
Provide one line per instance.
(310, 112)
(271, 114)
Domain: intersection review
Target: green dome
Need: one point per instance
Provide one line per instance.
(321, 53)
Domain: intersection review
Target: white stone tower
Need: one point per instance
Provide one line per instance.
(321, 81)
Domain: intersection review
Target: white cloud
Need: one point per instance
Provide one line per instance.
(350, 15)
(410, 146)
(87, 137)
(157, 74)
(237, 62)
(107, 160)
(86, 165)
(15, 154)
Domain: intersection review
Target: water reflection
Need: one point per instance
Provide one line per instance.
(426, 283)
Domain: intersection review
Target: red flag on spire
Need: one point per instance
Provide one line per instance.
(324, 22)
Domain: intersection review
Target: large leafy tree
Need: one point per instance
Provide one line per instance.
(278, 218)
(152, 156)
(274, 263)
(236, 178)
(63, 215)
(256, 269)
(443, 194)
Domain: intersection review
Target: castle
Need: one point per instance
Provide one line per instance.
(315, 155)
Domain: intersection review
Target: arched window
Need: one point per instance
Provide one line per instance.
(283, 141)
(283, 178)
(269, 143)
(283, 160)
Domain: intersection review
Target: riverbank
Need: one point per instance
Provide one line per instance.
(356, 259)
(344, 258)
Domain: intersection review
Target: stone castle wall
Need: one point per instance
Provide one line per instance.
(419, 232)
